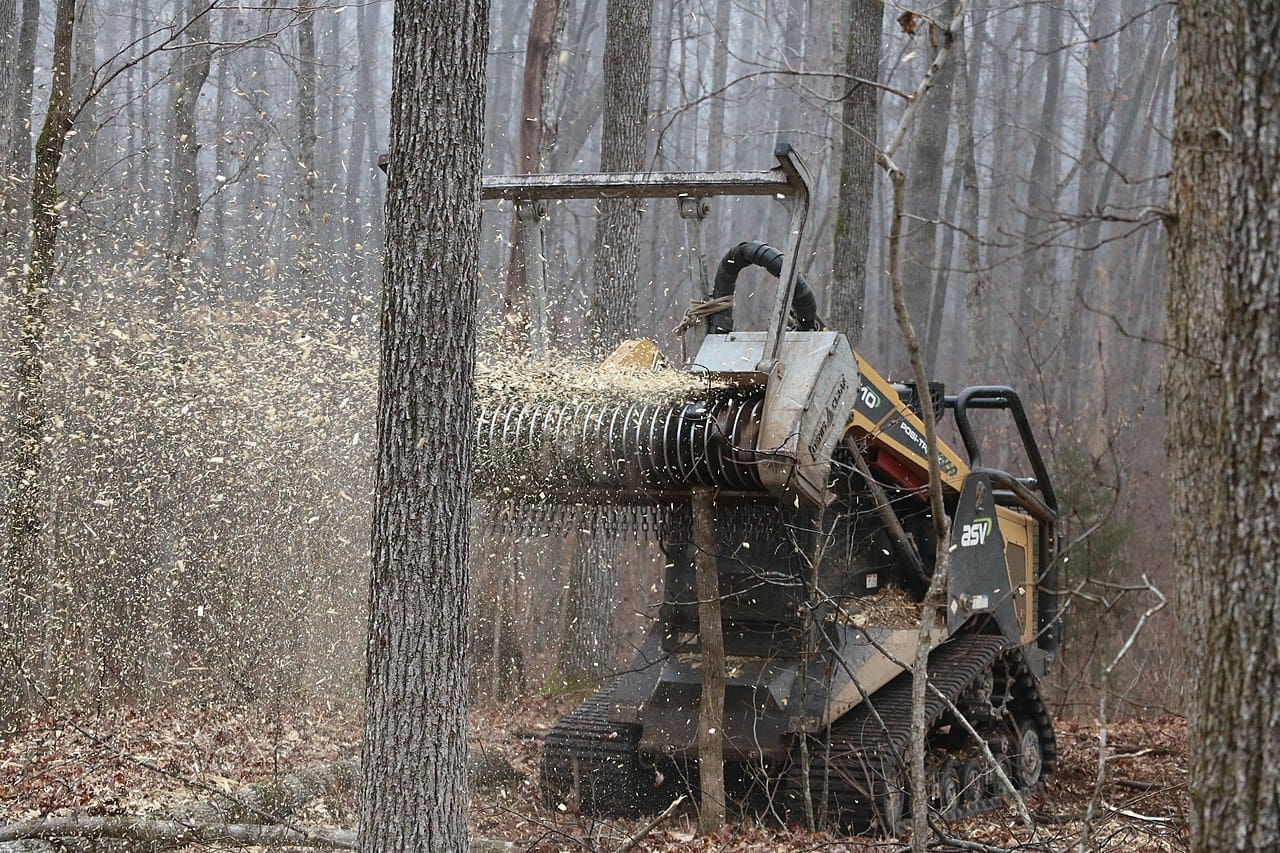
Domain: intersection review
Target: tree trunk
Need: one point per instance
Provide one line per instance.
(847, 297)
(362, 171)
(542, 49)
(1043, 180)
(719, 74)
(22, 563)
(8, 89)
(1236, 766)
(924, 187)
(15, 155)
(587, 637)
(10, 125)
(941, 291)
(594, 580)
(414, 793)
(978, 292)
(191, 72)
(622, 146)
(306, 213)
(1222, 395)
(222, 156)
(711, 645)
(582, 93)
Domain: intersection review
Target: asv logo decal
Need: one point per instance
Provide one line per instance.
(869, 398)
(976, 533)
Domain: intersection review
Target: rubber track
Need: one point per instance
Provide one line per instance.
(868, 745)
(1030, 705)
(597, 763)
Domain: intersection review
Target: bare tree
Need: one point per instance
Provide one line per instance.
(414, 766)
(592, 585)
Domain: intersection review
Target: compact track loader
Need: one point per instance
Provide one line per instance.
(823, 543)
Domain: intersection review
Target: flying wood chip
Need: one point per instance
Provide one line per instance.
(909, 21)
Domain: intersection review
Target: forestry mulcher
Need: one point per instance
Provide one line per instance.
(823, 544)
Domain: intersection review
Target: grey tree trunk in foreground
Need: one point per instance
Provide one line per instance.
(1230, 574)
(1224, 319)
(414, 791)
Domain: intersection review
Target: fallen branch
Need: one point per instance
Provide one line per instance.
(154, 831)
(1121, 756)
(28, 835)
(963, 844)
(1130, 813)
(635, 839)
(276, 797)
(1136, 785)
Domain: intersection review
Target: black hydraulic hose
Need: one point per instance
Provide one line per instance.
(803, 304)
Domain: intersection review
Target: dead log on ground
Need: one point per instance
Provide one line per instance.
(275, 798)
(252, 815)
(44, 835)
(166, 832)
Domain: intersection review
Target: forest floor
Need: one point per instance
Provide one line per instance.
(136, 761)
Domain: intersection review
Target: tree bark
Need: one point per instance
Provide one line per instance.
(617, 240)
(191, 73)
(15, 153)
(306, 76)
(24, 528)
(542, 48)
(587, 636)
(414, 792)
(8, 87)
(719, 74)
(924, 190)
(1201, 186)
(711, 646)
(1222, 394)
(152, 831)
(978, 292)
(848, 294)
(622, 146)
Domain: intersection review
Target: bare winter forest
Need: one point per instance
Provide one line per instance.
(193, 245)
